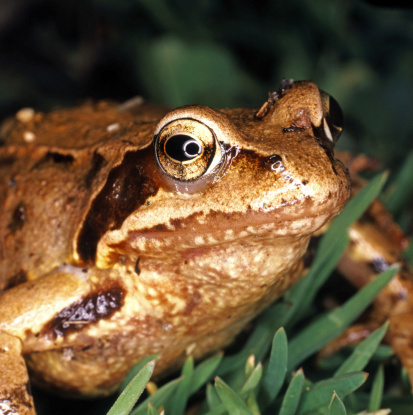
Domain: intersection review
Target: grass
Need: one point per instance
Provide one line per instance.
(272, 373)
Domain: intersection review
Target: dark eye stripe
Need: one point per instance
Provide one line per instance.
(127, 187)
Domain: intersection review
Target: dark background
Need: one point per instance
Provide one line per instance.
(220, 53)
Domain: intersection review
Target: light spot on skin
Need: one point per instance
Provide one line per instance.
(201, 220)
(67, 354)
(199, 240)
(151, 291)
(25, 115)
(29, 137)
(113, 127)
(81, 273)
(190, 349)
(167, 327)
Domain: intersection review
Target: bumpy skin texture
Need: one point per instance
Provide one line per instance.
(106, 259)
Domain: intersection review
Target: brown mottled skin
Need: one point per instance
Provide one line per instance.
(105, 257)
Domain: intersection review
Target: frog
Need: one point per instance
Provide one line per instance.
(130, 230)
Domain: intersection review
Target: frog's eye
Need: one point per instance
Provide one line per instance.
(333, 117)
(187, 149)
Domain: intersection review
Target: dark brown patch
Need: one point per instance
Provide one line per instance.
(94, 307)
(176, 223)
(59, 157)
(127, 187)
(19, 278)
(18, 218)
(55, 158)
(98, 161)
(160, 228)
(193, 302)
(137, 269)
(304, 182)
(86, 348)
(7, 160)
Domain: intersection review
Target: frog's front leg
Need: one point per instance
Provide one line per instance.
(24, 310)
(15, 394)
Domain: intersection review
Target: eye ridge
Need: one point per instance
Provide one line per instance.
(183, 148)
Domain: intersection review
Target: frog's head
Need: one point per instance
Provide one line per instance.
(214, 176)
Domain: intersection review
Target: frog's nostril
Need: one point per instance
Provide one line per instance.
(274, 163)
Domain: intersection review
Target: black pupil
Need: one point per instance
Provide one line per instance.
(183, 147)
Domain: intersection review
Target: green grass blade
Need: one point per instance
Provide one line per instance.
(293, 394)
(363, 352)
(319, 394)
(231, 400)
(161, 397)
(259, 341)
(303, 293)
(134, 371)
(383, 352)
(336, 406)
(184, 388)
(330, 325)
(249, 366)
(217, 410)
(400, 191)
(204, 372)
(275, 370)
(215, 405)
(376, 395)
(212, 397)
(253, 404)
(152, 410)
(253, 380)
(128, 398)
